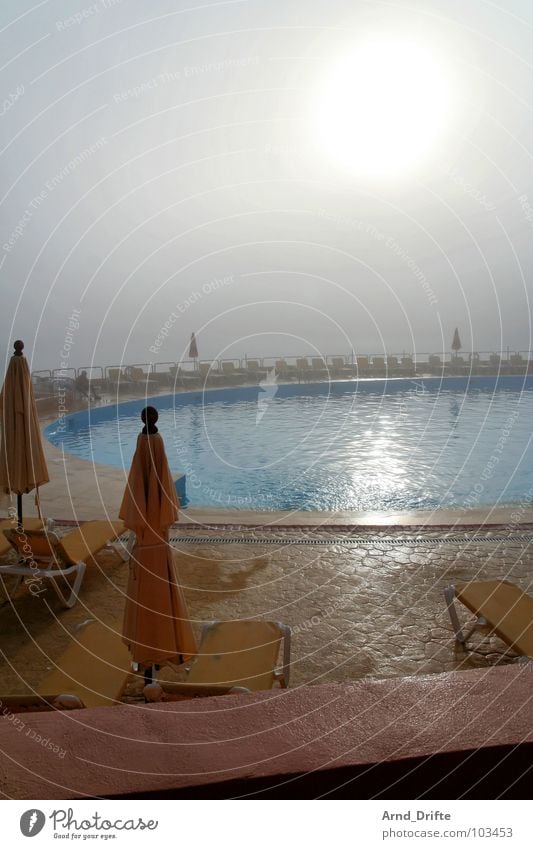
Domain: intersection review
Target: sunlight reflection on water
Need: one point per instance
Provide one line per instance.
(339, 452)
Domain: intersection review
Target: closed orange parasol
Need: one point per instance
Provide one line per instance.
(193, 348)
(22, 463)
(156, 621)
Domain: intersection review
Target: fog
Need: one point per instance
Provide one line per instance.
(164, 172)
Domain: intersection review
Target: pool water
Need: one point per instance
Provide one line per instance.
(381, 445)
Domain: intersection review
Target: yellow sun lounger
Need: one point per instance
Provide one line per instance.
(499, 604)
(29, 524)
(236, 656)
(94, 668)
(45, 555)
(92, 672)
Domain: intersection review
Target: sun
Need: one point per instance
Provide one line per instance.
(382, 109)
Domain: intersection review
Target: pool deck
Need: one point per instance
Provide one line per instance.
(363, 593)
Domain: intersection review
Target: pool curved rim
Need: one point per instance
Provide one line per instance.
(212, 394)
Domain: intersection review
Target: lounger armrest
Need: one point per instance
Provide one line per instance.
(121, 548)
(449, 595)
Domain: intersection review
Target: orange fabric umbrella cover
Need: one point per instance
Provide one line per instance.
(156, 621)
(22, 461)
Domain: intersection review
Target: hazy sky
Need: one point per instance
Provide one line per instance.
(181, 165)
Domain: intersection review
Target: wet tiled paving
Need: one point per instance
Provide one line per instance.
(361, 602)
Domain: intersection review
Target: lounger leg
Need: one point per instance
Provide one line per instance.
(480, 622)
(120, 549)
(150, 680)
(72, 598)
(449, 595)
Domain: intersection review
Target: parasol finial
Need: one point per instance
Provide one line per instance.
(19, 347)
(149, 417)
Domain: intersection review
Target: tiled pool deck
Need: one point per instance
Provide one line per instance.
(361, 603)
(363, 593)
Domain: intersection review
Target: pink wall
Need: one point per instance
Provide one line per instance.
(371, 732)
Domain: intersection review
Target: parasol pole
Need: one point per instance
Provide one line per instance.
(38, 503)
(149, 417)
(19, 347)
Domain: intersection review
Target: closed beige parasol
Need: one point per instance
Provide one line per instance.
(22, 462)
(156, 621)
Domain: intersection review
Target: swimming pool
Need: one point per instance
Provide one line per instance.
(350, 445)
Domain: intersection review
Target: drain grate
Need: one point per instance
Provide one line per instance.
(353, 541)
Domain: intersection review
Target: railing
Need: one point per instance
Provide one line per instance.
(186, 365)
(93, 372)
(58, 373)
(146, 368)
(159, 368)
(300, 366)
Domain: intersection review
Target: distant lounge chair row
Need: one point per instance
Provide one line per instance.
(132, 378)
(210, 374)
(317, 368)
(301, 369)
(149, 378)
